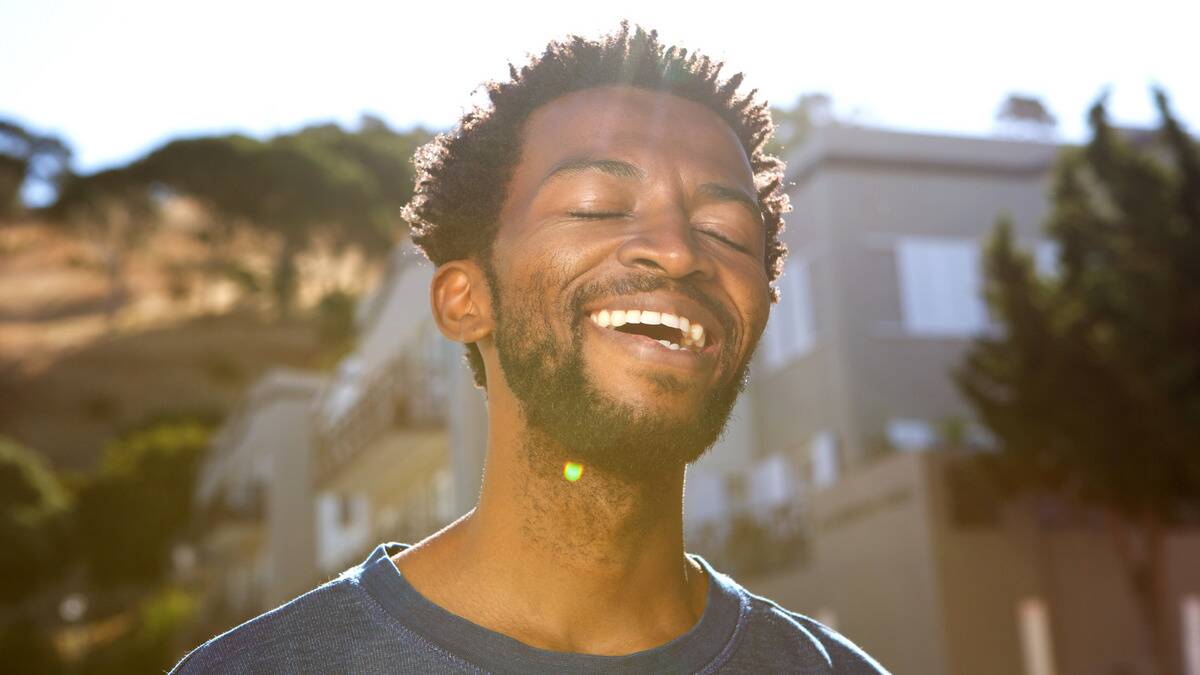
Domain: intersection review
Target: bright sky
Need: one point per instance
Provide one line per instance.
(117, 78)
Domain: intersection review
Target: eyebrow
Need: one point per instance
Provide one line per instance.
(578, 165)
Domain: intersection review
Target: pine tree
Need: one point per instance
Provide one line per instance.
(1094, 386)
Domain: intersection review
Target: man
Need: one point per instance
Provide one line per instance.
(605, 236)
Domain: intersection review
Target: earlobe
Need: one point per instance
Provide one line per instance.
(460, 300)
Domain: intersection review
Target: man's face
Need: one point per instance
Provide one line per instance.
(630, 220)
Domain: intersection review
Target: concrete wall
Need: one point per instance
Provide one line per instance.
(270, 443)
(855, 192)
(894, 572)
(468, 426)
(400, 314)
(888, 372)
(808, 395)
(291, 539)
(872, 567)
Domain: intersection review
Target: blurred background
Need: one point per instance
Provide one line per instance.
(971, 441)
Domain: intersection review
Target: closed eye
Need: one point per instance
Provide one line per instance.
(725, 240)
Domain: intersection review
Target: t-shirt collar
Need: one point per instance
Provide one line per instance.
(707, 643)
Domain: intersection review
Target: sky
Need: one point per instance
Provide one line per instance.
(118, 78)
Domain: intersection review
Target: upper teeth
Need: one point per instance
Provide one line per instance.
(692, 332)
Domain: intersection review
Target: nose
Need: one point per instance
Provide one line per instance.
(666, 246)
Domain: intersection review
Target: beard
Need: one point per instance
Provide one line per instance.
(571, 419)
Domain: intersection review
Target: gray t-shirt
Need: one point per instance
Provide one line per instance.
(371, 620)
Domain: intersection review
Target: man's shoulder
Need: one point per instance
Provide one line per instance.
(277, 639)
(773, 632)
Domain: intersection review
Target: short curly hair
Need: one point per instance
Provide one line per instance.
(462, 176)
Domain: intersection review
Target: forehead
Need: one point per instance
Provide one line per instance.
(634, 124)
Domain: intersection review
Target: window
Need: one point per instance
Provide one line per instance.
(771, 483)
(790, 333)
(940, 287)
(910, 434)
(823, 450)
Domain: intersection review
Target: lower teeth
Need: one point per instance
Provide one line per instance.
(668, 344)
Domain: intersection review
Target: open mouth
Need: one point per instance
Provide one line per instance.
(672, 331)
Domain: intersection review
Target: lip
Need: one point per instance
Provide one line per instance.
(650, 351)
(663, 303)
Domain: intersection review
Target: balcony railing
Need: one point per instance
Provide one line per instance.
(406, 393)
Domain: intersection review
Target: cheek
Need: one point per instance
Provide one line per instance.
(756, 307)
(534, 291)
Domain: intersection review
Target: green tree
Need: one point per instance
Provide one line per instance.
(319, 182)
(139, 504)
(26, 648)
(115, 211)
(33, 510)
(1094, 387)
(336, 327)
(25, 156)
(153, 643)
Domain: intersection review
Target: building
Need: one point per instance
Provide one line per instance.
(385, 463)
(254, 494)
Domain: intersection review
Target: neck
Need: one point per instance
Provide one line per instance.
(594, 565)
(600, 524)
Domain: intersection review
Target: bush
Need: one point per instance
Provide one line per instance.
(152, 646)
(140, 502)
(33, 510)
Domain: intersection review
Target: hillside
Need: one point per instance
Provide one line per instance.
(79, 363)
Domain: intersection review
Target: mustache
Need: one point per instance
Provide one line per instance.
(648, 283)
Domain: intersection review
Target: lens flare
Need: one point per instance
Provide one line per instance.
(572, 471)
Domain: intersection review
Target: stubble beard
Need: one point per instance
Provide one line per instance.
(571, 419)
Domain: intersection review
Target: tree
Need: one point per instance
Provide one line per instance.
(139, 504)
(793, 125)
(115, 211)
(319, 182)
(33, 510)
(1023, 115)
(24, 156)
(1094, 387)
(159, 622)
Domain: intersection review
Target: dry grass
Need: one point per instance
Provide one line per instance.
(77, 367)
(69, 407)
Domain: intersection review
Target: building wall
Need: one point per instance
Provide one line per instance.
(399, 488)
(468, 427)
(871, 569)
(806, 395)
(282, 429)
(891, 373)
(268, 449)
(400, 313)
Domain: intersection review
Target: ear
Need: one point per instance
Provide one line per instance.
(461, 301)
